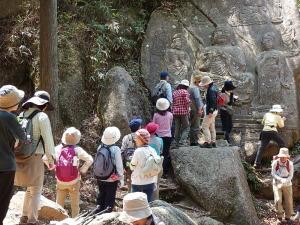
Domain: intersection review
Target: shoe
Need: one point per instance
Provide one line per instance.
(205, 145)
(289, 221)
(23, 219)
(213, 144)
(296, 217)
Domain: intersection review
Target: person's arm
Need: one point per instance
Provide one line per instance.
(187, 98)
(263, 120)
(169, 92)
(154, 118)
(197, 97)
(161, 146)
(124, 143)
(119, 164)
(135, 159)
(291, 173)
(15, 128)
(46, 134)
(280, 122)
(171, 119)
(273, 172)
(87, 158)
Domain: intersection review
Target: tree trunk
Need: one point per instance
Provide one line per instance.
(49, 55)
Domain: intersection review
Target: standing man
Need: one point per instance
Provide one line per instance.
(208, 124)
(163, 89)
(10, 131)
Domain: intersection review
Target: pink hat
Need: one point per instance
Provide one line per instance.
(143, 135)
(152, 127)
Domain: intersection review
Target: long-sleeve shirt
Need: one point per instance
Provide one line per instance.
(195, 96)
(165, 123)
(166, 89)
(282, 172)
(211, 99)
(181, 102)
(81, 154)
(128, 142)
(10, 131)
(271, 121)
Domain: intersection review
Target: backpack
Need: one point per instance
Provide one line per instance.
(27, 149)
(221, 99)
(128, 152)
(66, 167)
(153, 165)
(159, 92)
(103, 164)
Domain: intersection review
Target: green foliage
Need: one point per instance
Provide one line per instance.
(295, 150)
(252, 178)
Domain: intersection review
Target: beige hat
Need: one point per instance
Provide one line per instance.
(162, 104)
(135, 207)
(185, 83)
(111, 135)
(276, 108)
(39, 98)
(10, 96)
(205, 81)
(283, 152)
(71, 136)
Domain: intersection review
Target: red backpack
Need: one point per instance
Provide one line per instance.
(221, 99)
(65, 169)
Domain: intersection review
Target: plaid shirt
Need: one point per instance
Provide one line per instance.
(181, 102)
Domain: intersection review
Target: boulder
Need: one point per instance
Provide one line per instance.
(121, 99)
(208, 221)
(216, 180)
(49, 210)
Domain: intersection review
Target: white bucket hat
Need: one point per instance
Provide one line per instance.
(10, 96)
(283, 152)
(39, 98)
(185, 83)
(162, 104)
(135, 207)
(205, 81)
(71, 136)
(111, 135)
(276, 108)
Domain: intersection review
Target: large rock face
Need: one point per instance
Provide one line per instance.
(121, 99)
(216, 180)
(254, 43)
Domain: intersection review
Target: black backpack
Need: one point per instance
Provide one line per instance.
(128, 152)
(103, 164)
(159, 92)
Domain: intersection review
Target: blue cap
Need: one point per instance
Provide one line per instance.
(135, 124)
(164, 74)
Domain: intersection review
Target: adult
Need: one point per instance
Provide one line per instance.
(180, 110)
(30, 171)
(163, 89)
(211, 111)
(140, 182)
(271, 121)
(226, 110)
(136, 210)
(10, 131)
(196, 108)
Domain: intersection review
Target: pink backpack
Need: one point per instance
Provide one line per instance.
(65, 170)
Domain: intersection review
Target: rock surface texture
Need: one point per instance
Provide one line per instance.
(216, 180)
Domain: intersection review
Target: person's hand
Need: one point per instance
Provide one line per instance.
(51, 166)
(200, 111)
(283, 180)
(284, 118)
(210, 115)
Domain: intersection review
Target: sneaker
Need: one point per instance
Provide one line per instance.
(213, 144)
(206, 145)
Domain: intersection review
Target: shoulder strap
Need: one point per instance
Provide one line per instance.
(277, 166)
(33, 114)
(288, 165)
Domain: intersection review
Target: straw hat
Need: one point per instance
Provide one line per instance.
(39, 98)
(185, 83)
(276, 108)
(162, 104)
(205, 81)
(152, 127)
(10, 96)
(71, 136)
(143, 135)
(283, 152)
(110, 135)
(135, 207)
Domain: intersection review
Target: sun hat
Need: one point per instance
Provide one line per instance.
(44, 95)
(10, 96)
(71, 136)
(283, 152)
(143, 135)
(135, 207)
(228, 85)
(152, 127)
(135, 124)
(184, 83)
(205, 81)
(39, 98)
(276, 108)
(163, 74)
(110, 135)
(162, 104)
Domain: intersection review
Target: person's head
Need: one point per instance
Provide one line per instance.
(205, 82)
(135, 124)
(196, 78)
(184, 84)
(136, 209)
(10, 98)
(164, 75)
(40, 100)
(110, 135)
(277, 109)
(152, 128)
(228, 86)
(268, 41)
(283, 155)
(71, 136)
(142, 137)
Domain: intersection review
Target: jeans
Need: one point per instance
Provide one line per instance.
(181, 128)
(209, 128)
(266, 137)
(147, 189)
(31, 203)
(6, 191)
(226, 119)
(107, 194)
(283, 195)
(166, 154)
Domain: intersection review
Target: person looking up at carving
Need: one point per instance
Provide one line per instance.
(163, 89)
(271, 121)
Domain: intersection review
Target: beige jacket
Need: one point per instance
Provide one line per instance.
(271, 121)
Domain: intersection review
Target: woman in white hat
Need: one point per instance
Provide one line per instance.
(164, 119)
(136, 210)
(271, 121)
(30, 170)
(10, 130)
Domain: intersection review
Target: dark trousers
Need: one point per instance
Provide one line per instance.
(166, 154)
(226, 119)
(107, 194)
(195, 120)
(181, 128)
(6, 191)
(266, 137)
(148, 189)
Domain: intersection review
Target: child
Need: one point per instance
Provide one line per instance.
(282, 172)
(67, 171)
(164, 119)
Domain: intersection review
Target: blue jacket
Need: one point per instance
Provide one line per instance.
(211, 99)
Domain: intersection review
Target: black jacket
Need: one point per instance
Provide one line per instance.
(211, 99)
